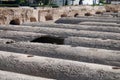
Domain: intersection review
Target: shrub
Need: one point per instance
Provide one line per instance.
(9, 5)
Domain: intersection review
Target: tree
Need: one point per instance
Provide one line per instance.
(38, 1)
(50, 1)
(45, 2)
(66, 2)
(21, 2)
(101, 1)
(80, 2)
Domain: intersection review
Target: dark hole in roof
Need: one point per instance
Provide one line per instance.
(9, 42)
(115, 67)
(88, 14)
(30, 55)
(15, 22)
(49, 39)
(76, 15)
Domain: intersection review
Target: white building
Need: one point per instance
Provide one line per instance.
(90, 2)
(64, 2)
(75, 2)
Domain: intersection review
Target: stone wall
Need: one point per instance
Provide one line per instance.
(112, 7)
(27, 14)
(9, 14)
(69, 11)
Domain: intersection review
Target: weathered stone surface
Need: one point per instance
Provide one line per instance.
(111, 13)
(92, 55)
(67, 32)
(25, 13)
(9, 14)
(56, 68)
(71, 20)
(33, 19)
(5, 41)
(5, 75)
(97, 17)
(3, 19)
(112, 8)
(87, 51)
(100, 24)
(19, 36)
(93, 42)
(57, 13)
(84, 26)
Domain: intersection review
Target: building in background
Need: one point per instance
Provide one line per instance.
(75, 2)
(8, 1)
(58, 2)
(115, 1)
(61, 2)
(90, 2)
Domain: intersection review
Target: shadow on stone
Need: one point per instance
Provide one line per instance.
(15, 22)
(49, 39)
(9, 42)
(88, 14)
(76, 14)
(98, 12)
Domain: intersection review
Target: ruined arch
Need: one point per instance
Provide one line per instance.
(48, 17)
(15, 22)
